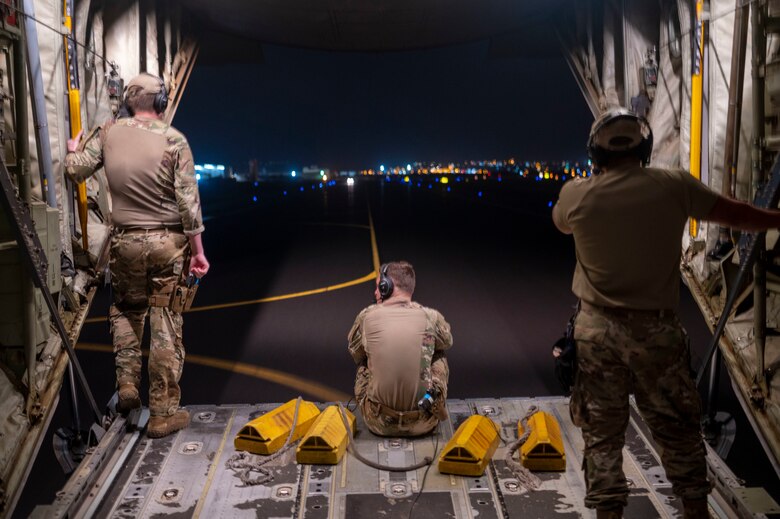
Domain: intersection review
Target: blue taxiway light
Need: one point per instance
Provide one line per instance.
(301, 188)
(479, 194)
(254, 199)
(256, 184)
(449, 189)
(284, 193)
(429, 186)
(320, 185)
(549, 204)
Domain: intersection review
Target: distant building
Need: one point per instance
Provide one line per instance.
(314, 172)
(204, 171)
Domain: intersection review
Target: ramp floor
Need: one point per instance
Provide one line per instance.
(185, 475)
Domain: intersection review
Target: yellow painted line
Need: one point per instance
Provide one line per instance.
(213, 468)
(374, 248)
(343, 472)
(319, 391)
(368, 277)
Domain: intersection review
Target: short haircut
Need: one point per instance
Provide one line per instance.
(402, 274)
(138, 101)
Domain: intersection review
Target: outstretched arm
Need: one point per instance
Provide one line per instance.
(84, 158)
(744, 216)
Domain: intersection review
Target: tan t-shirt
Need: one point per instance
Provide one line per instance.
(397, 340)
(150, 171)
(627, 226)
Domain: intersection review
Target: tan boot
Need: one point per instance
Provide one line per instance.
(128, 398)
(612, 513)
(696, 508)
(160, 426)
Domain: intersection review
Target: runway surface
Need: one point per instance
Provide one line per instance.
(292, 263)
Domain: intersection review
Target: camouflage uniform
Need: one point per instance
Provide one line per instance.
(155, 207)
(387, 384)
(644, 353)
(627, 224)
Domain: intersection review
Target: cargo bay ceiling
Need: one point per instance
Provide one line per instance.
(354, 25)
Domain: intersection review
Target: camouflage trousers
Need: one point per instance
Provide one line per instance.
(143, 263)
(644, 353)
(384, 421)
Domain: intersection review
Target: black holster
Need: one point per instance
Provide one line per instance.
(565, 354)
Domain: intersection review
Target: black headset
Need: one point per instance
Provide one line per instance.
(385, 283)
(643, 150)
(161, 98)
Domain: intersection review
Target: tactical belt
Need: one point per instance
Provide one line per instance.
(627, 312)
(178, 298)
(142, 230)
(403, 417)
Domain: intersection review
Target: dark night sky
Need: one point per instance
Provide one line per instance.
(353, 110)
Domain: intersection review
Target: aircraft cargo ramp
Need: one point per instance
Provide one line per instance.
(186, 475)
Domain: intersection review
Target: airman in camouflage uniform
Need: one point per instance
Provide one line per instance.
(155, 244)
(627, 224)
(399, 348)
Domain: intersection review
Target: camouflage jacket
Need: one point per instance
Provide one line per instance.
(150, 172)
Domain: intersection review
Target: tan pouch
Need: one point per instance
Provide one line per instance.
(179, 299)
(191, 291)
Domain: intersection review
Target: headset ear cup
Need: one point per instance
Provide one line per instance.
(385, 283)
(161, 98)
